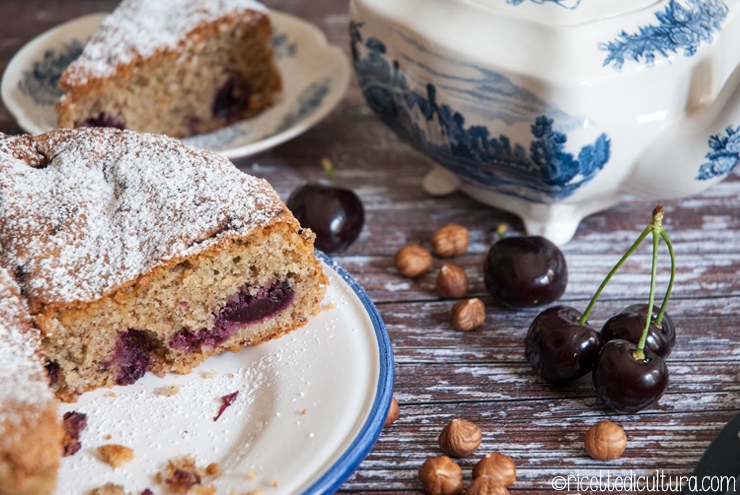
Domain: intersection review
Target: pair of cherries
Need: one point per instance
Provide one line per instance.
(626, 358)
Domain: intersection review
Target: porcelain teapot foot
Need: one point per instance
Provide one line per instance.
(556, 221)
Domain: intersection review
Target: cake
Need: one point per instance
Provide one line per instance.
(30, 433)
(122, 253)
(175, 67)
(136, 252)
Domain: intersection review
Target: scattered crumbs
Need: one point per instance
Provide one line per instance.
(109, 489)
(108, 436)
(303, 413)
(115, 455)
(252, 474)
(327, 306)
(213, 469)
(73, 423)
(274, 483)
(210, 374)
(226, 401)
(111, 394)
(167, 391)
(183, 476)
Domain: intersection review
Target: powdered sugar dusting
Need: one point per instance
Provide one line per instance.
(141, 28)
(111, 205)
(23, 378)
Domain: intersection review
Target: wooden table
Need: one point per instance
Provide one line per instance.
(482, 375)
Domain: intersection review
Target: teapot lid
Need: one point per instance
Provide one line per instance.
(566, 12)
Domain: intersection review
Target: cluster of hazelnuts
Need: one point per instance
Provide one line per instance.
(441, 475)
(414, 261)
(494, 473)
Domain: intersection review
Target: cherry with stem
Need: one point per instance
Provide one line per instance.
(630, 376)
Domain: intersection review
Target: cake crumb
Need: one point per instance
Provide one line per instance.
(111, 394)
(167, 391)
(115, 455)
(303, 413)
(226, 401)
(213, 469)
(183, 476)
(73, 423)
(108, 436)
(252, 474)
(274, 483)
(210, 374)
(109, 489)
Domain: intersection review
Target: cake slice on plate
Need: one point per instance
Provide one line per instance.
(139, 253)
(175, 67)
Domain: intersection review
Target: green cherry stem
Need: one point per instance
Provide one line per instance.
(655, 226)
(664, 305)
(584, 318)
(329, 169)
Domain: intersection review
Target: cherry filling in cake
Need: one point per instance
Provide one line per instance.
(232, 99)
(102, 120)
(242, 309)
(131, 357)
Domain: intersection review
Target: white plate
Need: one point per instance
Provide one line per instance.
(310, 407)
(315, 77)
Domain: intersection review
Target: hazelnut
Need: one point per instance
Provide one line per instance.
(460, 438)
(500, 467)
(486, 485)
(605, 441)
(413, 261)
(441, 476)
(392, 413)
(451, 281)
(450, 240)
(468, 314)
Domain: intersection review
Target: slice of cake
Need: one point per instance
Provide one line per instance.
(139, 253)
(30, 433)
(175, 67)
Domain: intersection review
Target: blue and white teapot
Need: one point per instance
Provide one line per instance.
(555, 109)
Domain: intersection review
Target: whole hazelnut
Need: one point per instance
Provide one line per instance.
(392, 413)
(460, 438)
(500, 467)
(468, 314)
(413, 261)
(486, 485)
(451, 281)
(605, 441)
(450, 240)
(441, 476)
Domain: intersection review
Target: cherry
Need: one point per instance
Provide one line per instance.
(335, 214)
(521, 272)
(559, 347)
(629, 323)
(627, 380)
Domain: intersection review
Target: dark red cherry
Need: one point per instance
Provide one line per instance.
(522, 272)
(629, 323)
(558, 347)
(335, 214)
(624, 382)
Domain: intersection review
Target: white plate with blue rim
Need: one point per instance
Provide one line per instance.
(308, 408)
(315, 77)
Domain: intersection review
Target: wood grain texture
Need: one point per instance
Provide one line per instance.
(482, 375)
